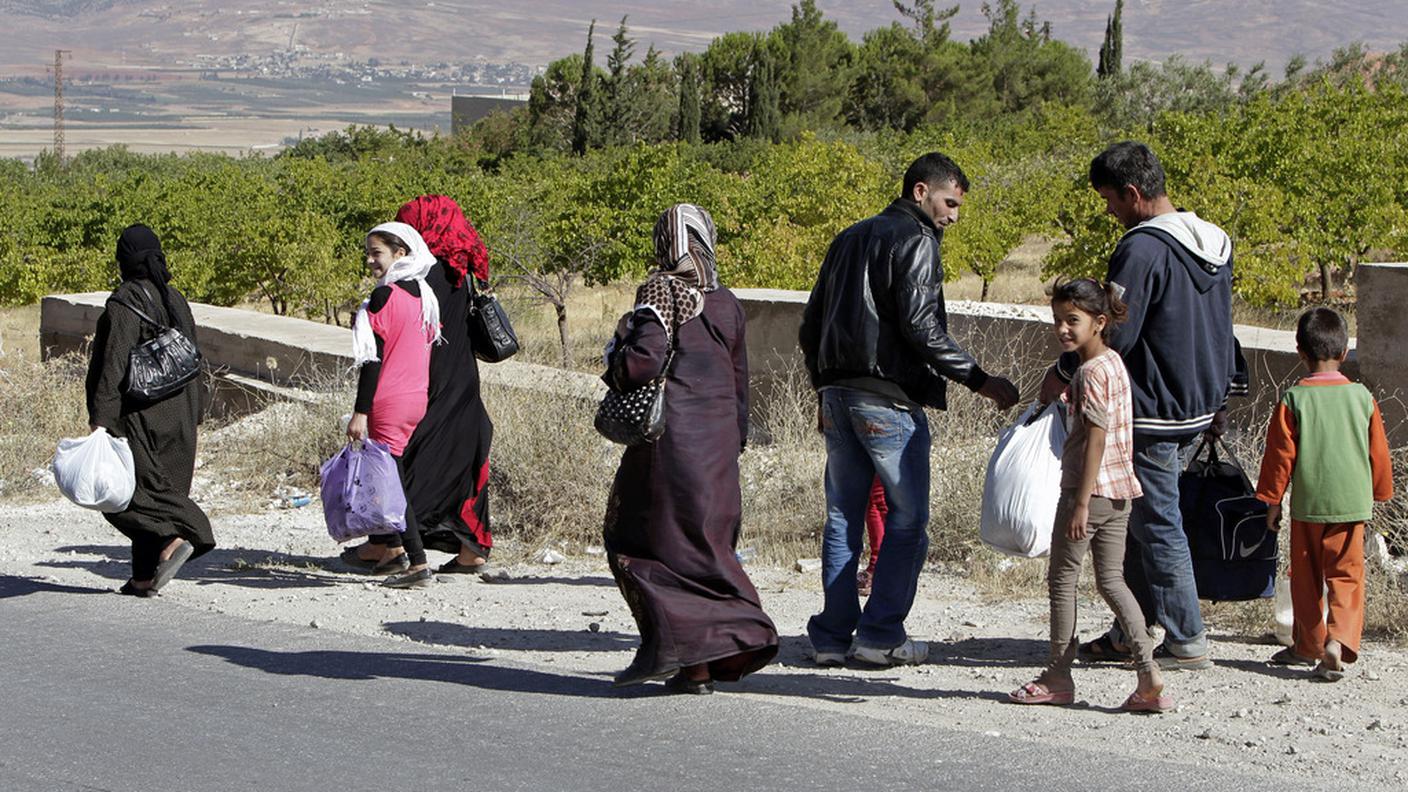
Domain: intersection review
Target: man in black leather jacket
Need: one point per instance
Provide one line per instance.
(875, 337)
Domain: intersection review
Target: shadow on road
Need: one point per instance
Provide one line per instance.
(450, 669)
(593, 580)
(233, 567)
(527, 639)
(976, 652)
(21, 586)
(989, 652)
(1263, 667)
(481, 672)
(830, 686)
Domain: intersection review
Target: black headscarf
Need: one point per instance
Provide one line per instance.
(139, 256)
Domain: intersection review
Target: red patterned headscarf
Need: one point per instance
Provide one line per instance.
(445, 229)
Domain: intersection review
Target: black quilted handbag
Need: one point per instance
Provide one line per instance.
(637, 416)
(490, 333)
(162, 365)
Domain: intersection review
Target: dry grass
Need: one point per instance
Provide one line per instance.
(591, 318)
(275, 452)
(43, 403)
(1018, 278)
(551, 471)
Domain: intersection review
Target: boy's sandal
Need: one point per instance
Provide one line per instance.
(1103, 650)
(1288, 657)
(1138, 703)
(1328, 673)
(1037, 693)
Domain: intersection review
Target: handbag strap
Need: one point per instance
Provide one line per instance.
(134, 309)
(674, 344)
(1211, 445)
(1237, 463)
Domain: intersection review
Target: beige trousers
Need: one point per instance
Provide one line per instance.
(1105, 537)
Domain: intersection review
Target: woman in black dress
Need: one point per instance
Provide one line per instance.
(675, 509)
(447, 459)
(166, 527)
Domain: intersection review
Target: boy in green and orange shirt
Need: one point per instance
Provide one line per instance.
(1326, 440)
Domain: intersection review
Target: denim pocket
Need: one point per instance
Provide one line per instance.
(880, 427)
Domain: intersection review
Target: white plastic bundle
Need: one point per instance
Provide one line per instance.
(96, 471)
(1023, 484)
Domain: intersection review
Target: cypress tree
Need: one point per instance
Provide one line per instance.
(616, 99)
(764, 100)
(581, 121)
(689, 99)
(1112, 48)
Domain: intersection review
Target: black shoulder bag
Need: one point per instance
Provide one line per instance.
(490, 333)
(637, 416)
(162, 365)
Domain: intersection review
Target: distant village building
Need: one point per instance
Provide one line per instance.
(465, 110)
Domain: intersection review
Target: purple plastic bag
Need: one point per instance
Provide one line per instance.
(362, 493)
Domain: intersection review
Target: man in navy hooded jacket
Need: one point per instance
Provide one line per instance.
(1174, 272)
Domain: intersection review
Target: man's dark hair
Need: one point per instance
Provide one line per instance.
(935, 170)
(1322, 334)
(1125, 164)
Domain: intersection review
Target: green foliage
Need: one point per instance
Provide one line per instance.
(814, 62)
(1307, 184)
(726, 67)
(803, 134)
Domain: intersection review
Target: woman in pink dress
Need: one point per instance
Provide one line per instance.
(391, 340)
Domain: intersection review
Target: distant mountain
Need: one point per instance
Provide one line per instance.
(170, 32)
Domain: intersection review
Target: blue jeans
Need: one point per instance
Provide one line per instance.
(867, 436)
(1157, 564)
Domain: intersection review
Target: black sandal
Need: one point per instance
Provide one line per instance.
(1103, 650)
(454, 567)
(130, 589)
(680, 683)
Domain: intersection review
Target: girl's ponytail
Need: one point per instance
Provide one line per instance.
(1093, 297)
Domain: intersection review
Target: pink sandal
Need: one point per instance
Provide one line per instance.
(1138, 703)
(1036, 693)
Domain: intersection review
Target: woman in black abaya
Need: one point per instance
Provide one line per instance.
(165, 526)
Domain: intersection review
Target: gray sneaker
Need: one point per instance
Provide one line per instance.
(911, 652)
(1169, 661)
(829, 659)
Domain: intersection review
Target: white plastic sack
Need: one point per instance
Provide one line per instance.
(1023, 484)
(96, 471)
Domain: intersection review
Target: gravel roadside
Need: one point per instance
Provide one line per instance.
(1242, 715)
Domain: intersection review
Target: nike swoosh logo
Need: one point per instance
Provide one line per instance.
(1245, 550)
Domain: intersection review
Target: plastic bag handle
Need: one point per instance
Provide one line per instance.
(354, 469)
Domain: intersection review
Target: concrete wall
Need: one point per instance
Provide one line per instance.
(1382, 313)
(257, 357)
(1016, 341)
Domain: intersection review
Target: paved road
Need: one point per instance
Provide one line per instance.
(100, 692)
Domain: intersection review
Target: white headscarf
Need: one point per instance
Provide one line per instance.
(412, 267)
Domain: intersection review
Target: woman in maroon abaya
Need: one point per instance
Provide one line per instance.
(675, 510)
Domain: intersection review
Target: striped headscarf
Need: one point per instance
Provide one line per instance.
(685, 267)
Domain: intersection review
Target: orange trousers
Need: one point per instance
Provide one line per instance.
(1327, 558)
